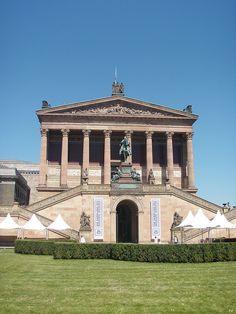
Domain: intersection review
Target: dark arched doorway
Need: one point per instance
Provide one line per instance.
(127, 222)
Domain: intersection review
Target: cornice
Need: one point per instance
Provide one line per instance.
(119, 99)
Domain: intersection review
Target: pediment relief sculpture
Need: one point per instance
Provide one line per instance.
(118, 110)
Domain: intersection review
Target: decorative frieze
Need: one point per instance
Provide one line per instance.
(95, 172)
(177, 173)
(157, 173)
(73, 172)
(118, 109)
(53, 171)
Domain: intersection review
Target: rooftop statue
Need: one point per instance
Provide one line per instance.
(117, 88)
(125, 149)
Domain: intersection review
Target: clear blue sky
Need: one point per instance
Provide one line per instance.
(171, 53)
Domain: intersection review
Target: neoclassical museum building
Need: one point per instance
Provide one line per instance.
(122, 165)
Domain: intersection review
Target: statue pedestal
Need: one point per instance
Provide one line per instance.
(86, 233)
(125, 177)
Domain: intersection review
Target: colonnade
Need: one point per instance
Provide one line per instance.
(107, 155)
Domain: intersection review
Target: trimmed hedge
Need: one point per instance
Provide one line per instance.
(185, 253)
(82, 251)
(182, 253)
(35, 247)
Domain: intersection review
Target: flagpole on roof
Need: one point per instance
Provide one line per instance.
(115, 74)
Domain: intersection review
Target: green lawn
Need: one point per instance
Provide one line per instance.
(39, 284)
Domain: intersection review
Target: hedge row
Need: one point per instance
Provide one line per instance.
(82, 251)
(36, 247)
(183, 253)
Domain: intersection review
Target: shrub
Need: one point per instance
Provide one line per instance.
(182, 253)
(34, 247)
(82, 251)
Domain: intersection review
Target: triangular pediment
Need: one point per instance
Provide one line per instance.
(116, 106)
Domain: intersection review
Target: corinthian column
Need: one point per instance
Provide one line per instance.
(86, 149)
(64, 157)
(170, 163)
(107, 157)
(190, 164)
(43, 158)
(149, 152)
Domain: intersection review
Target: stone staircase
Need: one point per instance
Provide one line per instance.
(196, 200)
(55, 199)
(65, 195)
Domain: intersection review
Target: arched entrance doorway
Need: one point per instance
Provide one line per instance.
(127, 222)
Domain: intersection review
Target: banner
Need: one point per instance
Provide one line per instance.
(155, 219)
(98, 214)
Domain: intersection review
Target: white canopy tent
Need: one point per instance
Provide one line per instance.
(221, 222)
(187, 222)
(59, 224)
(201, 221)
(9, 223)
(33, 224)
(224, 223)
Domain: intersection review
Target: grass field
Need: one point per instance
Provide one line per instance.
(39, 284)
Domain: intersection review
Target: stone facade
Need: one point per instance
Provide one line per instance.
(13, 187)
(29, 171)
(80, 154)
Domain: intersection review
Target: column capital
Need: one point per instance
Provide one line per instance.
(169, 135)
(86, 133)
(128, 133)
(65, 132)
(43, 131)
(107, 133)
(189, 135)
(149, 134)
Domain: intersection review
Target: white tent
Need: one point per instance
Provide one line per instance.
(216, 221)
(187, 222)
(59, 224)
(33, 224)
(221, 222)
(201, 221)
(8, 223)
